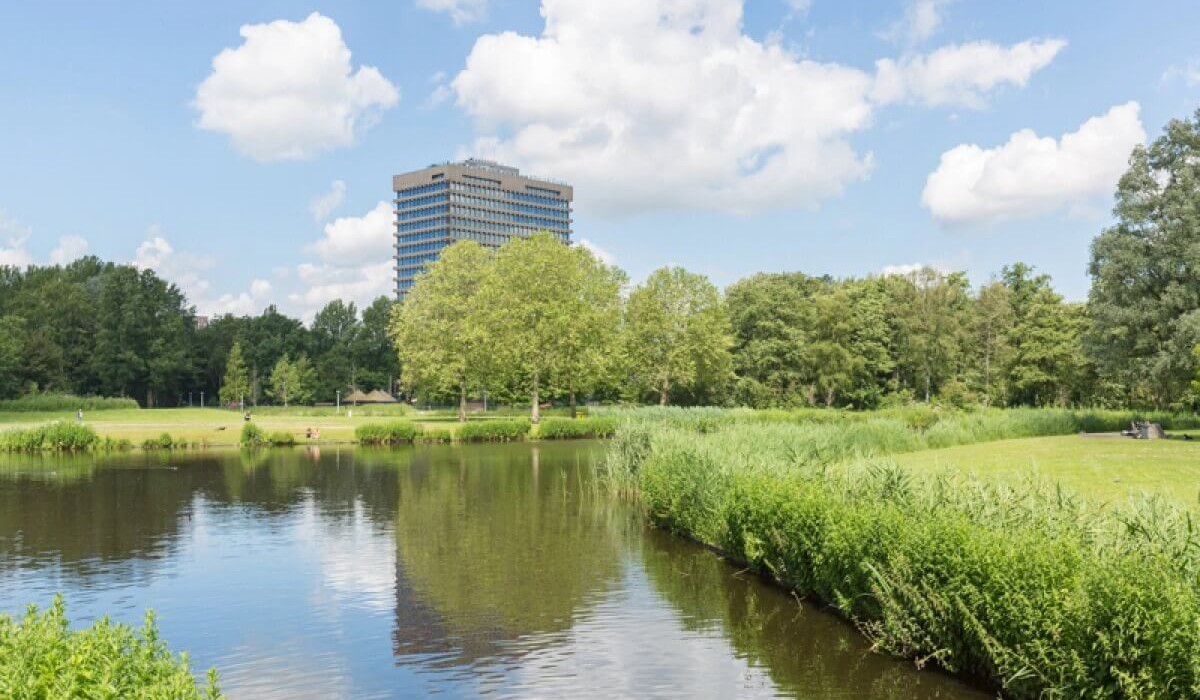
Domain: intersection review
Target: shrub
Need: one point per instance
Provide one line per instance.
(65, 402)
(436, 436)
(494, 430)
(392, 433)
(40, 657)
(251, 434)
(281, 438)
(566, 428)
(1027, 587)
(56, 437)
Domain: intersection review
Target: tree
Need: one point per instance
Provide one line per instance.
(1145, 295)
(12, 344)
(1045, 361)
(283, 381)
(333, 332)
(931, 308)
(533, 310)
(237, 378)
(591, 349)
(437, 341)
(678, 335)
(372, 350)
(772, 318)
(994, 321)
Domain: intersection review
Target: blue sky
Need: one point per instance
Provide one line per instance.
(727, 137)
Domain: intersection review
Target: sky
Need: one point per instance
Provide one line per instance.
(245, 150)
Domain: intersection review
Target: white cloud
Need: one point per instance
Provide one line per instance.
(662, 104)
(1189, 73)
(323, 206)
(356, 262)
(461, 11)
(187, 271)
(69, 248)
(1031, 175)
(922, 19)
(290, 92)
(799, 7)
(666, 103)
(961, 74)
(600, 254)
(13, 237)
(355, 240)
(242, 304)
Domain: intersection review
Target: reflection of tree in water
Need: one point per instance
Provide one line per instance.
(805, 651)
(99, 515)
(498, 544)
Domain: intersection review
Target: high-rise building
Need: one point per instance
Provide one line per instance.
(474, 200)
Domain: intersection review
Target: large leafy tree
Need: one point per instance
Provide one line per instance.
(535, 310)
(437, 340)
(1145, 296)
(678, 335)
(591, 349)
(371, 350)
(12, 345)
(334, 329)
(772, 319)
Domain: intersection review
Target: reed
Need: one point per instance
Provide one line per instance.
(1025, 586)
(392, 433)
(570, 429)
(52, 437)
(65, 402)
(504, 430)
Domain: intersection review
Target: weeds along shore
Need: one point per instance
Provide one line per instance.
(1023, 586)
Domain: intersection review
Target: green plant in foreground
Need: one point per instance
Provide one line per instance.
(42, 659)
(495, 430)
(252, 435)
(392, 433)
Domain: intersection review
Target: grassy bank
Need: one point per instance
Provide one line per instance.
(41, 657)
(1021, 584)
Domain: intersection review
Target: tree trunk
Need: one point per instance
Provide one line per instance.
(462, 403)
(535, 415)
(574, 405)
(664, 392)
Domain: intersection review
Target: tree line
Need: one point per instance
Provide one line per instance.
(539, 321)
(100, 328)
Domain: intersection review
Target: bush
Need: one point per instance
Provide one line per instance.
(40, 657)
(55, 437)
(65, 402)
(494, 430)
(393, 433)
(436, 436)
(566, 428)
(1026, 587)
(251, 434)
(281, 438)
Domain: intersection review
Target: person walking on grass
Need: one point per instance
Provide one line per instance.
(79, 416)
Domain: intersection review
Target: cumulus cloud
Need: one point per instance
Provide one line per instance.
(356, 262)
(69, 248)
(13, 237)
(241, 304)
(922, 19)
(601, 254)
(660, 104)
(187, 271)
(1188, 73)
(460, 11)
(1031, 175)
(961, 74)
(323, 206)
(290, 92)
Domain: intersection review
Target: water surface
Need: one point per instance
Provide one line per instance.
(453, 571)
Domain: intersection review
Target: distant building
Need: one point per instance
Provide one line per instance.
(201, 322)
(474, 200)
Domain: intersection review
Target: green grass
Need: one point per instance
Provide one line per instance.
(502, 430)
(1103, 468)
(42, 658)
(1009, 578)
(65, 402)
(571, 429)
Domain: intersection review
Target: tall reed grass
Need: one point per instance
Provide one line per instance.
(53, 437)
(1026, 587)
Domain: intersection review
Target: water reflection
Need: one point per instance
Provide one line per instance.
(490, 570)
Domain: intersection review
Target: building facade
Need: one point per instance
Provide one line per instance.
(473, 200)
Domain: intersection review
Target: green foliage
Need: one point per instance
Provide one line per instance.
(392, 433)
(292, 382)
(504, 430)
(252, 435)
(678, 337)
(163, 442)
(235, 387)
(66, 402)
(41, 657)
(281, 438)
(568, 428)
(1026, 587)
(53, 437)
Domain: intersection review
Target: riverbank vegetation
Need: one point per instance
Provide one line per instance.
(41, 657)
(1025, 585)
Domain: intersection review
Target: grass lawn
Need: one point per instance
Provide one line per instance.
(222, 427)
(1101, 468)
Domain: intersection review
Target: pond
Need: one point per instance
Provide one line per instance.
(457, 571)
